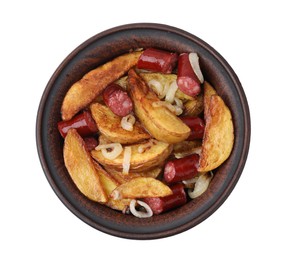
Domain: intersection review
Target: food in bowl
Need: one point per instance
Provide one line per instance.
(145, 132)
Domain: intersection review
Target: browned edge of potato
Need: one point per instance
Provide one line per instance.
(218, 137)
(109, 125)
(81, 167)
(84, 91)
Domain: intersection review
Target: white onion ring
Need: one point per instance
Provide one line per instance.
(201, 185)
(126, 160)
(127, 122)
(116, 150)
(140, 214)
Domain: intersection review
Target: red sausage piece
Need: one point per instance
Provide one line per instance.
(187, 80)
(163, 204)
(83, 123)
(157, 60)
(117, 100)
(196, 125)
(90, 143)
(181, 169)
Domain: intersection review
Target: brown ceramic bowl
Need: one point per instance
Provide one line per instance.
(100, 49)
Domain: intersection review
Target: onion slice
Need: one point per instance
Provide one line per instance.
(170, 95)
(126, 160)
(157, 86)
(194, 61)
(127, 122)
(201, 185)
(110, 151)
(140, 214)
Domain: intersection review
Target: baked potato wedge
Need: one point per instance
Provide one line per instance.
(218, 136)
(81, 167)
(139, 162)
(159, 121)
(122, 178)
(141, 187)
(84, 91)
(109, 125)
(109, 184)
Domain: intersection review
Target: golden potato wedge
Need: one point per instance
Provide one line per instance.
(194, 107)
(218, 136)
(81, 167)
(139, 162)
(208, 92)
(122, 178)
(109, 125)
(84, 91)
(165, 80)
(141, 187)
(159, 121)
(109, 184)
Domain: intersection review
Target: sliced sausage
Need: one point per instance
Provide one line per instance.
(157, 60)
(197, 126)
(83, 123)
(163, 204)
(187, 80)
(181, 169)
(90, 143)
(117, 99)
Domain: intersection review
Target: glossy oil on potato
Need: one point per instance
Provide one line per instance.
(84, 91)
(81, 167)
(218, 136)
(160, 122)
(109, 125)
(141, 187)
(140, 162)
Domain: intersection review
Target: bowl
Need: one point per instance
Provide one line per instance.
(100, 49)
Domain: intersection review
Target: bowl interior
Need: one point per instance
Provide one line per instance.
(100, 49)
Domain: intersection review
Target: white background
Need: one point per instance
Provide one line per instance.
(37, 35)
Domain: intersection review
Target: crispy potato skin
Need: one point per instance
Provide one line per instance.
(160, 122)
(140, 162)
(109, 125)
(218, 137)
(84, 91)
(141, 187)
(82, 168)
(109, 184)
(208, 92)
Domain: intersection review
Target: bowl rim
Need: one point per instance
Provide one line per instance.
(246, 140)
